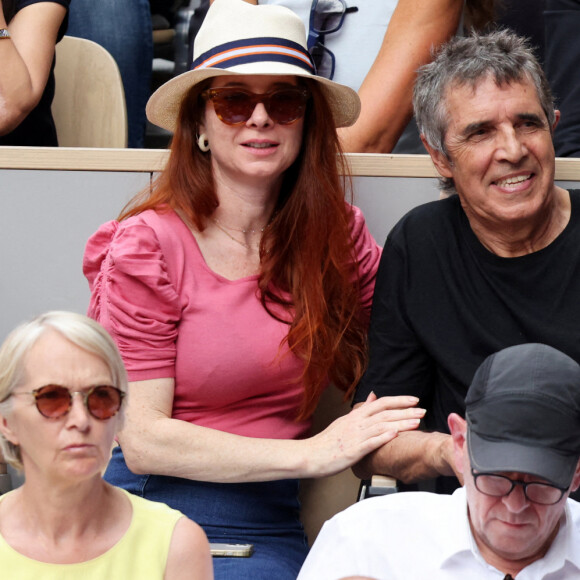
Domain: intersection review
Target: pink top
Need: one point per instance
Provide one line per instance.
(173, 317)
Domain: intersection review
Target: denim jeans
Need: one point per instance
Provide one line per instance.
(265, 514)
(124, 28)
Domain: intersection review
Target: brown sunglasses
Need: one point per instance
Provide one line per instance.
(235, 106)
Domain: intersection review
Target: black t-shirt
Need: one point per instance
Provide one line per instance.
(38, 129)
(443, 303)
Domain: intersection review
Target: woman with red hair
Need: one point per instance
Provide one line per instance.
(238, 288)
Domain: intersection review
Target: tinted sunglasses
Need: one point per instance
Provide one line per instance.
(234, 106)
(54, 401)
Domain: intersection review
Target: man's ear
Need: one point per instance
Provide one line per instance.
(556, 121)
(458, 429)
(442, 164)
(576, 479)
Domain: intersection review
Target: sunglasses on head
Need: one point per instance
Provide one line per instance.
(54, 401)
(234, 106)
(326, 17)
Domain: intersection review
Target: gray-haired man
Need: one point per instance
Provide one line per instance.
(496, 265)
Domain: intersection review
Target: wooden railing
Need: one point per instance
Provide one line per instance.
(151, 160)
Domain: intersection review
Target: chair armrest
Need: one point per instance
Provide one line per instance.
(5, 483)
(377, 485)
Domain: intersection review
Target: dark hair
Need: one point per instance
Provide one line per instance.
(309, 273)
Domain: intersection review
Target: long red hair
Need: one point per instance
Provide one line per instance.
(308, 267)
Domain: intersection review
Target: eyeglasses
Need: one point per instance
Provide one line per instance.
(54, 401)
(326, 17)
(501, 485)
(235, 106)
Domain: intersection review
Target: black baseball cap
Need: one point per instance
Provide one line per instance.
(523, 413)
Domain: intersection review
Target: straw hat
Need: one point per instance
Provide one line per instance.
(241, 38)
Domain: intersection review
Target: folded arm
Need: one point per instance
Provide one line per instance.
(386, 93)
(26, 60)
(153, 442)
(412, 457)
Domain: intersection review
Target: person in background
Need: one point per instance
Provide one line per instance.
(497, 264)
(377, 48)
(124, 28)
(526, 20)
(62, 390)
(562, 51)
(518, 450)
(551, 27)
(415, 28)
(238, 288)
(29, 31)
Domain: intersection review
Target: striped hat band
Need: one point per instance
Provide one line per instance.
(255, 50)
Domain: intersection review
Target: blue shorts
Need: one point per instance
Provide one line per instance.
(265, 514)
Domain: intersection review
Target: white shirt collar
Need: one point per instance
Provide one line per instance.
(564, 551)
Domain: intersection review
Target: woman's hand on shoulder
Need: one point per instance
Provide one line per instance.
(189, 555)
(367, 427)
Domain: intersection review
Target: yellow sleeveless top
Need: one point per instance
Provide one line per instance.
(141, 553)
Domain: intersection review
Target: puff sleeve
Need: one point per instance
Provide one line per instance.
(368, 255)
(133, 297)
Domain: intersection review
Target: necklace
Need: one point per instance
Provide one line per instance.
(235, 239)
(242, 230)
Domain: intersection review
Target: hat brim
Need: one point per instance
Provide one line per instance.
(163, 105)
(543, 462)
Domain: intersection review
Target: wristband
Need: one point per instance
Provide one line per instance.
(4, 33)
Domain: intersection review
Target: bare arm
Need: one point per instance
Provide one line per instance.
(26, 60)
(386, 93)
(153, 442)
(410, 458)
(189, 556)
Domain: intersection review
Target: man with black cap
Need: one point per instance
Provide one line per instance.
(518, 450)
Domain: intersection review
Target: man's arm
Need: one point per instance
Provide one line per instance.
(398, 363)
(415, 27)
(403, 355)
(410, 457)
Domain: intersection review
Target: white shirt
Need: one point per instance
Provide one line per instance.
(425, 536)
